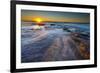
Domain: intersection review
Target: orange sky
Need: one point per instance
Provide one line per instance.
(30, 15)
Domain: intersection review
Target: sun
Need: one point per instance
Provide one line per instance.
(38, 20)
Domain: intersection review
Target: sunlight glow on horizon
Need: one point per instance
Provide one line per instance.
(38, 20)
(50, 16)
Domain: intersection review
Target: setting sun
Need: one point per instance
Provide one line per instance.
(38, 20)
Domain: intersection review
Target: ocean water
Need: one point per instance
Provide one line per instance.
(36, 43)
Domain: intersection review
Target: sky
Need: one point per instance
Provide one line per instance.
(53, 16)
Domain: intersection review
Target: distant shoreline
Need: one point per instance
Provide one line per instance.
(58, 22)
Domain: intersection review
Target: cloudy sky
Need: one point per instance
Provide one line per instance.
(52, 16)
